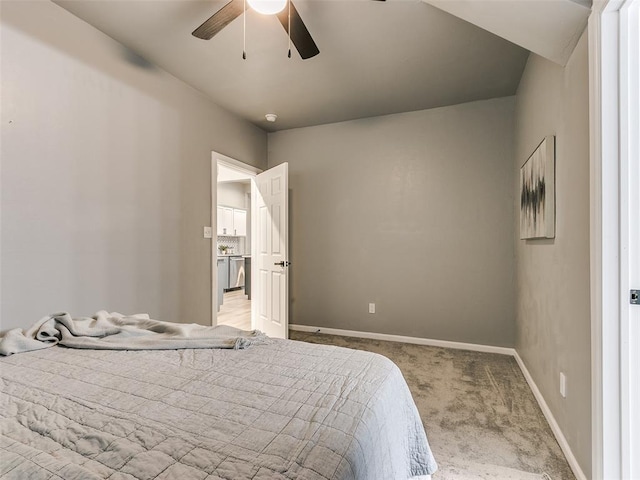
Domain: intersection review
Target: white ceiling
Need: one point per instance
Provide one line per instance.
(375, 58)
(550, 28)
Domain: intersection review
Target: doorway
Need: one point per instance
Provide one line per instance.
(232, 242)
(259, 233)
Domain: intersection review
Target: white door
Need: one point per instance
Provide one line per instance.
(630, 185)
(272, 248)
(614, 27)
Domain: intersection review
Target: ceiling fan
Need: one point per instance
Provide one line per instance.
(300, 36)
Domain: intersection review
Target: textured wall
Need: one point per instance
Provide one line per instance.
(553, 307)
(106, 175)
(411, 211)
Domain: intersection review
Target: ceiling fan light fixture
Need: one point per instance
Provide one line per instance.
(267, 7)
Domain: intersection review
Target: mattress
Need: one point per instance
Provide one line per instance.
(285, 410)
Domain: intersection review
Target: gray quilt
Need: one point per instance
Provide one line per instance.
(283, 410)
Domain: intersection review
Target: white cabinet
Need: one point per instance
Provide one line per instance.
(220, 229)
(239, 222)
(232, 222)
(225, 221)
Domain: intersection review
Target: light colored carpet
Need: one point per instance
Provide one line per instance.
(480, 415)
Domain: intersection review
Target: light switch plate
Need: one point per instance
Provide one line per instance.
(208, 232)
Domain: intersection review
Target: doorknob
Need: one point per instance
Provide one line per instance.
(282, 264)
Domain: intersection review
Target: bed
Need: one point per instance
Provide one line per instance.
(279, 410)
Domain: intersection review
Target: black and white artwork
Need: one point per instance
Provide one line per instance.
(537, 192)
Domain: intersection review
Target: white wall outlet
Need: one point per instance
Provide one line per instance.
(372, 308)
(208, 232)
(563, 385)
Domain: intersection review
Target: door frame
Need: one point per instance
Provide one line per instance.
(611, 161)
(251, 171)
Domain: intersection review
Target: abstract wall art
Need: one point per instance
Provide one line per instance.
(537, 192)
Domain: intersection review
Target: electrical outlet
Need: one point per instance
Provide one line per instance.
(372, 308)
(208, 232)
(563, 385)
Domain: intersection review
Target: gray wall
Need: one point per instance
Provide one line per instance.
(411, 211)
(553, 307)
(106, 168)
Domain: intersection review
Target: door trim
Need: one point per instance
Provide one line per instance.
(252, 172)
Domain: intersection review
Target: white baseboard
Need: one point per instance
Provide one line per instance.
(400, 338)
(555, 428)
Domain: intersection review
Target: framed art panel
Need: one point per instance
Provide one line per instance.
(537, 192)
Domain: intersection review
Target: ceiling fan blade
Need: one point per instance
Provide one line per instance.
(219, 20)
(300, 36)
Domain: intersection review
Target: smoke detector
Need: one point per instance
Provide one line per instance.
(271, 117)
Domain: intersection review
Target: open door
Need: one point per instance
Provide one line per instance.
(271, 274)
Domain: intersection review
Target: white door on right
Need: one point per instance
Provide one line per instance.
(272, 249)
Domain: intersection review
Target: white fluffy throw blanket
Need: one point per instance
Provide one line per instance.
(114, 331)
